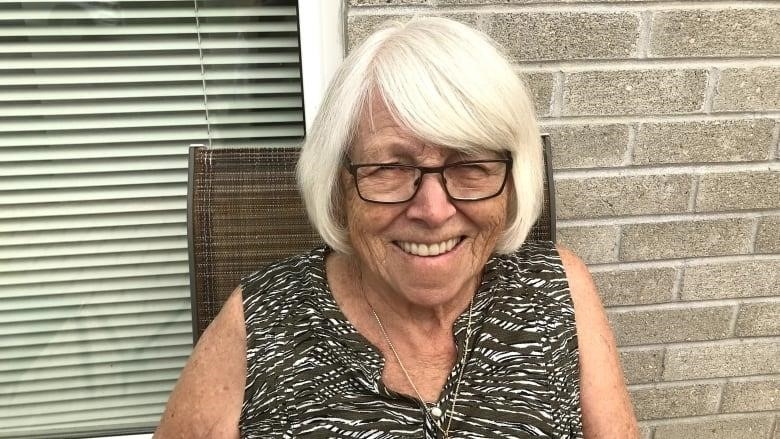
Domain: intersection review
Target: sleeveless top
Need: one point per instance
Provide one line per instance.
(310, 374)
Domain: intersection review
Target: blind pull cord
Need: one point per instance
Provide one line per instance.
(202, 72)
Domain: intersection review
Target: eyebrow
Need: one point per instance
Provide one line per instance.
(394, 149)
(402, 152)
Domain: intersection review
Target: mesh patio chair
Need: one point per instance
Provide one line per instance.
(244, 211)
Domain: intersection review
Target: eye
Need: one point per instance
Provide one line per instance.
(474, 170)
(385, 172)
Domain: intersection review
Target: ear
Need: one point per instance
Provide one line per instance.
(511, 201)
(341, 197)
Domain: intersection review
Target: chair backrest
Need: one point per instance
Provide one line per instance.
(244, 211)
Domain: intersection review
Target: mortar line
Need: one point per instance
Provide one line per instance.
(660, 346)
(692, 304)
(712, 417)
(482, 20)
(665, 169)
(733, 320)
(633, 132)
(620, 64)
(678, 263)
(663, 364)
(694, 195)
(774, 428)
(602, 6)
(716, 380)
(666, 218)
(709, 343)
(678, 281)
(721, 394)
(645, 31)
(618, 252)
(556, 97)
(710, 89)
(677, 383)
(774, 151)
(754, 234)
(690, 117)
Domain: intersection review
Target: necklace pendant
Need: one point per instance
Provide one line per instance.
(436, 412)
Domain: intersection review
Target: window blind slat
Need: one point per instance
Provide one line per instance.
(93, 151)
(37, 380)
(91, 193)
(184, 134)
(97, 165)
(101, 383)
(123, 150)
(188, 28)
(102, 427)
(93, 207)
(100, 350)
(142, 45)
(104, 392)
(61, 300)
(145, 121)
(53, 61)
(131, 418)
(134, 282)
(195, 88)
(93, 234)
(75, 408)
(88, 336)
(70, 340)
(91, 247)
(96, 180)
(65, 223)
(155, 347)
(36, 266)
(67, 12)
(97, 273)
(92, 317)
(74, 108)
(56, 377)
(126, 76)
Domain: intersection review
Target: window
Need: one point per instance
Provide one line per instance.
(98, 104)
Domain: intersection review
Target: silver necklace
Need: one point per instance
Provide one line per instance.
(434, 411)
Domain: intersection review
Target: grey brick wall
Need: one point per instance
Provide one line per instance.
(665, 121)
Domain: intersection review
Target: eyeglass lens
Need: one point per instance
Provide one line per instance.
(399, 183)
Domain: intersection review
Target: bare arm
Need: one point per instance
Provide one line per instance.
(606, 407)
(206, 401)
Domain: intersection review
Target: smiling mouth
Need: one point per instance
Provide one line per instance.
(420, 249)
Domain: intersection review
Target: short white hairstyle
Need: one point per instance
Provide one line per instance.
(450, 86)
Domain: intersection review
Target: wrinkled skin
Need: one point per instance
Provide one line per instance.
(417, 285)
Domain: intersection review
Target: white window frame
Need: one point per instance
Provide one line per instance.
(322, 49)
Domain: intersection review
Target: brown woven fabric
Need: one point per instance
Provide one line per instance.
(244, 211)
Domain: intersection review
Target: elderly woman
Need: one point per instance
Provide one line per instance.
(427, 314)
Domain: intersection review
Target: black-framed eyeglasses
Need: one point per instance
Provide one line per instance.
(391, 183)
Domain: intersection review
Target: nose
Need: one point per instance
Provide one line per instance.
(431, 203)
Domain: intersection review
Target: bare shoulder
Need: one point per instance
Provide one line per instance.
(206, 401)
(606, 408)
(577, 273)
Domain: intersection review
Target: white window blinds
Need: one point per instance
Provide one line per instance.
(98, 103)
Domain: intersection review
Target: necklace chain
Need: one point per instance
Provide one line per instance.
(409, 378)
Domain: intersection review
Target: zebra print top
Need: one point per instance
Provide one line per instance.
(311, 374)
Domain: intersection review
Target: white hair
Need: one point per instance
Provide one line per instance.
(450, 86)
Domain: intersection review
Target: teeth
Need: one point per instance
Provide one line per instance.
(419, 249)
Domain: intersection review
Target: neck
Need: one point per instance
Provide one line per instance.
(396, 310)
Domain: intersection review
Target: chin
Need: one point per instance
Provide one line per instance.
(431, 294)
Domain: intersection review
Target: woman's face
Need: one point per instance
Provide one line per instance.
(389, 240)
